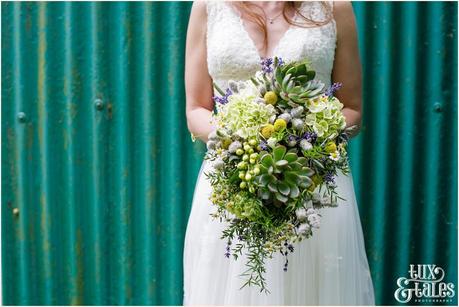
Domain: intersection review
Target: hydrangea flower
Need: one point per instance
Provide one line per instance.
(243, 115)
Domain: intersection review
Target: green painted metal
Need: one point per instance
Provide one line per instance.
(98, 168)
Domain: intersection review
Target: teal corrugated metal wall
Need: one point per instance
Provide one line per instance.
(98, 169)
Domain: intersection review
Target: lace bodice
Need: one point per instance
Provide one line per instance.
(232, 54)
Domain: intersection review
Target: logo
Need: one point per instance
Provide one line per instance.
(424, 284)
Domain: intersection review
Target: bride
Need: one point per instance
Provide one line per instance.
(227, 40)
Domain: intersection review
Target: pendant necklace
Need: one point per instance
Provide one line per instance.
(271, 20)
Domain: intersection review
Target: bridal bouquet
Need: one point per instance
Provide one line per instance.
(279, 143)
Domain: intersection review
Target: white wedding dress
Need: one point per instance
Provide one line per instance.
(331, 268)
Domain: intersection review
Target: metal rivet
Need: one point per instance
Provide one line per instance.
(22, 117)
(99, 104)
(438, 107)
(15, 211)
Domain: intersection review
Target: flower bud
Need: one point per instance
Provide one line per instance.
(239, 152)
(296, 112)
(305, 145)
(297, 124)
(285, 116)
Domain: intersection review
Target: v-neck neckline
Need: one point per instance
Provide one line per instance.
(238, 16)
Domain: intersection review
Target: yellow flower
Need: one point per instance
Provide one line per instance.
(330, 147)
(226, 143)
(267, 131)
(280, 124)
(270, 97)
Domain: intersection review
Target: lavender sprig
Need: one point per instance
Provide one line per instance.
(333, 88)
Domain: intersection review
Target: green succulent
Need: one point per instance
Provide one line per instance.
(282, 174)
(294, 82)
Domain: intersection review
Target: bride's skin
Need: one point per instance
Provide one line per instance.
(198, 83)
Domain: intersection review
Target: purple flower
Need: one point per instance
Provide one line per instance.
(266, 65)
(329, 177)
(290, 248)
(264, 145)
(311, 137)
(223, 99)
(281, 62)
(333, 88)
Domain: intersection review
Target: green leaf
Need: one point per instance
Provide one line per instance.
(306, 171)
(281, 163)
(295, 166)
(283, 188)
(294, 191)
(301, 69)
(263, 169)
(272, 187)
(305, 181)
(234, 177)
(291, 178)
(291, 70)
(311, 74)
(285, 80)
(267, 160)
(317, 162)
(265, 179)
(302, 161)
(290, 157)
(281, 197)
(279, 76)
(264, 194)
(279, 152)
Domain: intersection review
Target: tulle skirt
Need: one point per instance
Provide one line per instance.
(330, 268)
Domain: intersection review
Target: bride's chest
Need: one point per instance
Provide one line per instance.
(231, 52)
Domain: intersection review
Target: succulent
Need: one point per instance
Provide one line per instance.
(282, 174)
(295, 84)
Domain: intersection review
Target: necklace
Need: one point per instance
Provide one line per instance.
(271, 20)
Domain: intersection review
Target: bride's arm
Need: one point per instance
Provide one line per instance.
(347, 67)
(198, 83)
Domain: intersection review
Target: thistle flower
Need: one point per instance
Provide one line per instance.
(301, 214)
(234, 146)
(303, 228)
(219, 164)
(296, 112)
(291, 140)
(297, 124)
(285, 116)
(305, 145)
(314, 220)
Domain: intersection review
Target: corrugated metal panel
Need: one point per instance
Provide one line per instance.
(98, 161)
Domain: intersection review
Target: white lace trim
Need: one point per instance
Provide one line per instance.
(231, 54)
